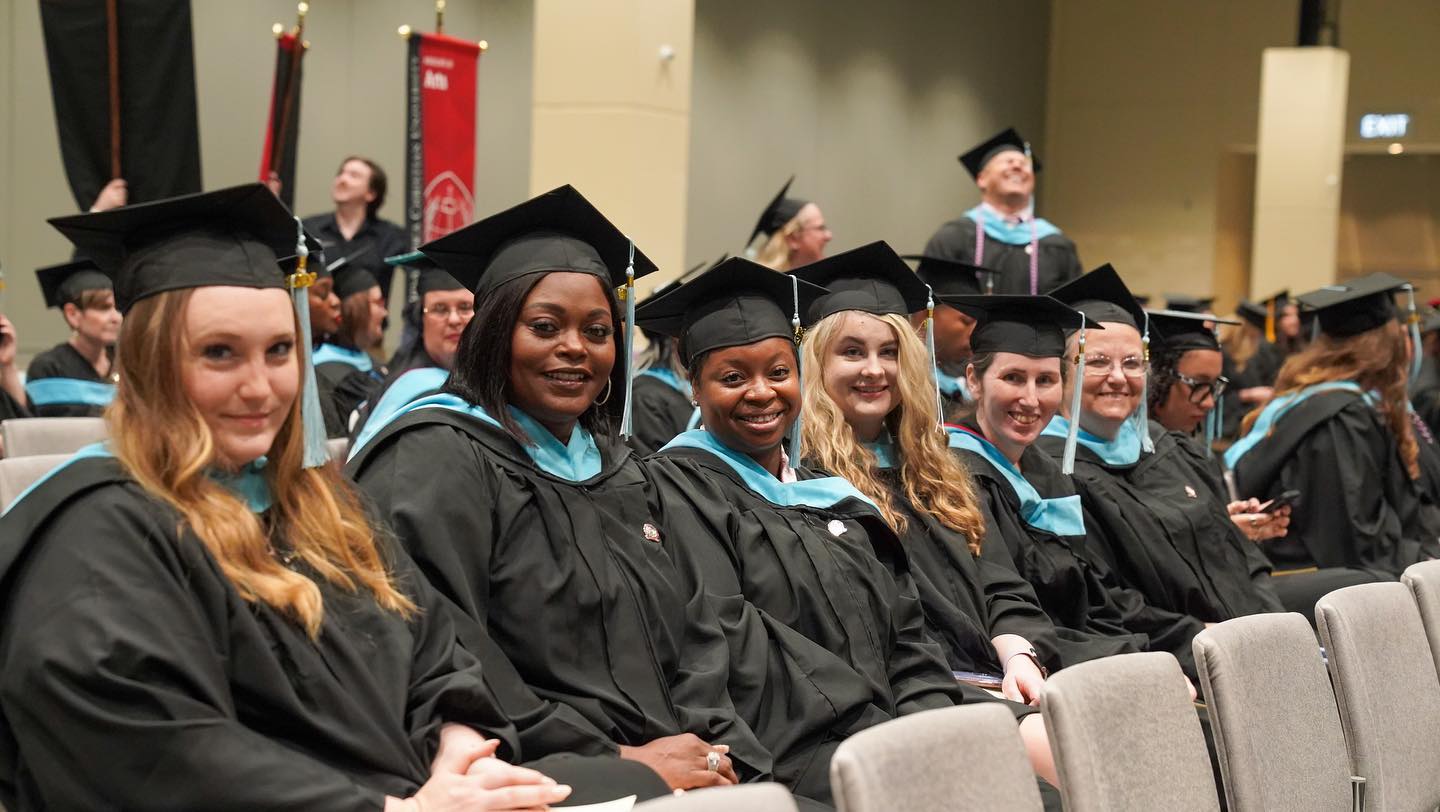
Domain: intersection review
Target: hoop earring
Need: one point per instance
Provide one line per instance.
(606, 398)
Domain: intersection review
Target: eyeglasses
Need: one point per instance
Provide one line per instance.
(442, 312)
(1199, 390)
(1099, 366)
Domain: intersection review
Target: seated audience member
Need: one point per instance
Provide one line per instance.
(199, 613)
(12, 391)
(443, 307)
(1017, 377)
(1339, 431)
(951, 328)
(1162, 526)
(811, 584)
(512, 490)
(76, 378)
(344, 364)
(871, 418)
(794, 230)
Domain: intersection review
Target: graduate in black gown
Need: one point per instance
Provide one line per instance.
(76, 378)
(812, 585)
(1339, 431)
(347, 373)
(1029, 254)
(1161, 526)
(199, 612)
(442, 308)
(950, 326)
(12, 390)
(513, 492)
(663, 406)
(1017, 376)
(324, 322)
(871, 418)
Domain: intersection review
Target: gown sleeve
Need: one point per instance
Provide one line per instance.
(438, 524)
(114, 680)
(1010, 600)
(918, 674)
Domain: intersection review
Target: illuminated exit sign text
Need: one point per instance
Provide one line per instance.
(1384, 125)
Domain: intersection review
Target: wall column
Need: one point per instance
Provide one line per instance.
(611, 114)
(1301, 148)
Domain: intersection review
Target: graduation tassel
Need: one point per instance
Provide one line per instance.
(1214, 424)
(627, 427)
(1067, 463)
(1412, 320)
(1270, 321)
(799, 372)
(930, 348)
(1034, 233)
(1147, 445)
(312, 421)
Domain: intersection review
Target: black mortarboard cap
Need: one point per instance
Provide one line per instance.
(432, 276)
(1185, 303)
(1185, 330)
(1102, 296)
(1029, 325)
(976, 158)
(233, 237)
(1253, 313)
(557, 231)
(734, 303)
(1356, 306)
(63, 283)
(872, 279)
(314, 262)
(948, 276)
(780, 211)
(351, 279)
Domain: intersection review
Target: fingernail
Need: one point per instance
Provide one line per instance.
(722, 748)
(560, 790)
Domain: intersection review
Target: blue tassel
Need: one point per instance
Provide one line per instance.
(1147, 445)
(795, 428)
(1417, 360)
(930, 348)
(1067, 462)
(1214, 424)
(627, 420)
(312, 419)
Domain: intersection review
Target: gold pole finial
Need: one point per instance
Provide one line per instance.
(439, 16)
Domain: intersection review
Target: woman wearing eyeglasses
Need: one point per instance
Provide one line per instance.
(1153, 513)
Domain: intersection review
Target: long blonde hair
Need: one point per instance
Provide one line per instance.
(1376, 361)
(164, 444)
(933, 479)
(1240, 342)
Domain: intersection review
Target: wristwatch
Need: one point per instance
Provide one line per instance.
(1034, 657)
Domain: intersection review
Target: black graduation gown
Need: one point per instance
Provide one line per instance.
(64, 361)
(1163, 527)
(660, 412)
(1359, 508)
(969, 600)
(133, 675)
(826, 631)
(1095, 615)
(564, 588)
(1059, 262)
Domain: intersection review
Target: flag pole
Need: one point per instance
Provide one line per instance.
(112, 37)
(277, 156)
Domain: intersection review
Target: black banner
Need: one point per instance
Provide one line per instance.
(159, 137)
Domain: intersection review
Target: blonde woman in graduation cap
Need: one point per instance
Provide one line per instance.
(199, 614)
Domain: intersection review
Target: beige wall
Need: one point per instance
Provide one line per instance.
(1152, 104)
(867, 103)
(353, 98)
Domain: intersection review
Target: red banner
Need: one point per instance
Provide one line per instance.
(282, 129)
(440, 177)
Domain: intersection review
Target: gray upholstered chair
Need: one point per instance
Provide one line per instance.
(1265, 684)
(25, 436)
(1388, 692)
(1126, 736)
(19, 473)
(968, 757)
(745, 798)
(1424, 582)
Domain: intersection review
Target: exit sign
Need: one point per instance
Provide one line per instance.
(1384, 125)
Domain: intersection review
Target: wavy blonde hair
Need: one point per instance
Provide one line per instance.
(1240, 342)
(775, 253)
(933, 479)
(1374, 359)
(162, 441)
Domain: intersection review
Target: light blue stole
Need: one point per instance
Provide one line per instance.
(69, 391)
(333, 353)
(998, 227)
(1062, 515)
(822, 492)
(408, 387)
(1123, 450)
(952, 385)
(1276, 409)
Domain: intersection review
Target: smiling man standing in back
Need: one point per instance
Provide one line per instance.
(1028, 254)
(354, 232)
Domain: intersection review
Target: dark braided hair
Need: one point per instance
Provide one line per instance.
(1164, 372)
